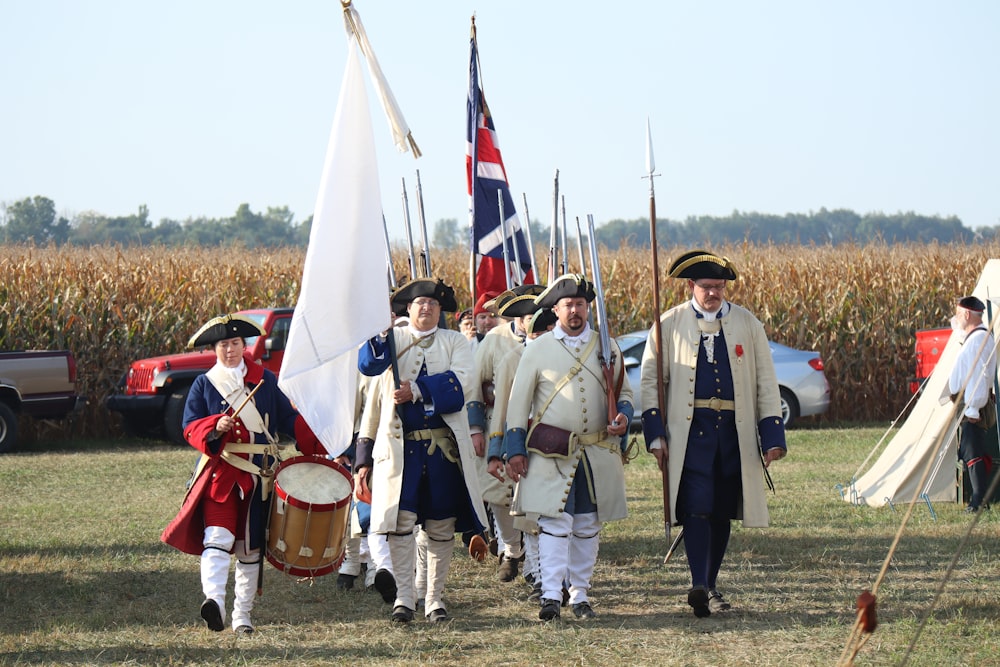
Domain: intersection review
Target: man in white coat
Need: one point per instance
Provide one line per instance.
(721, 397)
(569, 465)
(422, 461)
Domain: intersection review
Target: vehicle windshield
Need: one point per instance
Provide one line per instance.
(259, 319)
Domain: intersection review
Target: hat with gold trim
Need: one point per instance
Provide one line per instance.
(426, 287)
(569, 286)
(699, 264)
(225, 327)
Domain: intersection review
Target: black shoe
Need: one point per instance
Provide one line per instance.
(345, 582)
(717, 603)
(565, 596)
(536, 593)
(698, 599)
(971, 509)
(494, 546)
(244, 630)
(583, 610)
(508, 568)
(385, 584)
(212, 614)
(549, 610)
(401, 614)
(439, 615)
(529, 578)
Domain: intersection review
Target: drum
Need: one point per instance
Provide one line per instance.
(310, 514)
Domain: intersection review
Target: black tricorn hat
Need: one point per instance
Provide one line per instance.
(522, 302)
(429, 287)
(699, 264)
(225, 327)
(541, 320)
(571, 285)
(972, 303)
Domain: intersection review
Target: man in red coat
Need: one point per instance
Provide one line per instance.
(223, 513)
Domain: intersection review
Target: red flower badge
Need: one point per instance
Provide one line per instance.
(739, 353)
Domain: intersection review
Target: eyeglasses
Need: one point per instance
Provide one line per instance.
(425, 302)
(717, 287)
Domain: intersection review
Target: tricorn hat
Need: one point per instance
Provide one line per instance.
(699, 264)
(224, 327)
(541, 320)
(463, 314)
(522, 302)
(571, 285)
(429, 287)
(972, 303)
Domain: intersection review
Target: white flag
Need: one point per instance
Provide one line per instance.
(344, 299)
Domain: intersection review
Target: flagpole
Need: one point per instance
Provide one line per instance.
(554, 233)
(474, 163)
(657, 337)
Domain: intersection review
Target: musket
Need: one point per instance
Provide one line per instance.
(388, 256)
(564, 267)
(409, 233)
(503, 242)
(554, 234)
(606, 354)
(657, 335)
(425, 252)
(527, 237)
(517, 253)
(579, 247)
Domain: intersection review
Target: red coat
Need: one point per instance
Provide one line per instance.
(215, 476)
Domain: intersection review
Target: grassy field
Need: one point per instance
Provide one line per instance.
(84, 579)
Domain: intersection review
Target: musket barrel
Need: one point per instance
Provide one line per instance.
(425, 253)
(527, 237)
(554, 233)
(409, 233)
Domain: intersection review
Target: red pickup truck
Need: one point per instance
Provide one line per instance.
(151, 395)
(36, 383)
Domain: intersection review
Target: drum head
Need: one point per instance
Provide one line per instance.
(313, 483)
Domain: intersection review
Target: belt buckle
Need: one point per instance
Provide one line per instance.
(715, 403)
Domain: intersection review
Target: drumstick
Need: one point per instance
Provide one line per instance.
(247, 399)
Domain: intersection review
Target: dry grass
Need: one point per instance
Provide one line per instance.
(859, 306)
(84, 580)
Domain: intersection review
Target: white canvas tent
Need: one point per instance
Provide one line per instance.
(929, 434)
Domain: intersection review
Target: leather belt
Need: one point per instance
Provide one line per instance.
(428, 433)
(716, 404)
(591, 438)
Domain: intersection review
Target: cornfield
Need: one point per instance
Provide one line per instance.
(859, 306)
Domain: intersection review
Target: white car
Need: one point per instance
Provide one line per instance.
(801, 380)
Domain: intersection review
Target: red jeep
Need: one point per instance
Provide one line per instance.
(151, 395)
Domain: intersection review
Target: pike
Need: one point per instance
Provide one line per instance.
(425, 251)
(657, 339)
(564, 267)
(606, 354)
(579, 247)
(527, 237)
(409, 233)
(388, 256)
(503, 243)
(554, 233)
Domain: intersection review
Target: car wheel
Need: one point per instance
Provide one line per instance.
(173, 415)
(8, 428)
(789, 407)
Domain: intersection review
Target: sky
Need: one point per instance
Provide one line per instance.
(194, 107)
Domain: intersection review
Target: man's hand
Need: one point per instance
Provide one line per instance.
(404, 394)
(495, 468)
(661, 457)
(619, 426)
(517, 467)
(225, 424)
(479, 444)
(773, 454)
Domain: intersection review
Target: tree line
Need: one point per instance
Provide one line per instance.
(34, 220)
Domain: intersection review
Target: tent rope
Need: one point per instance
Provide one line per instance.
(864, 622)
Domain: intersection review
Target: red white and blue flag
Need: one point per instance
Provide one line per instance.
(486, 175)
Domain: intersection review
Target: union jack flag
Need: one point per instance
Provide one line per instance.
(485, 176)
